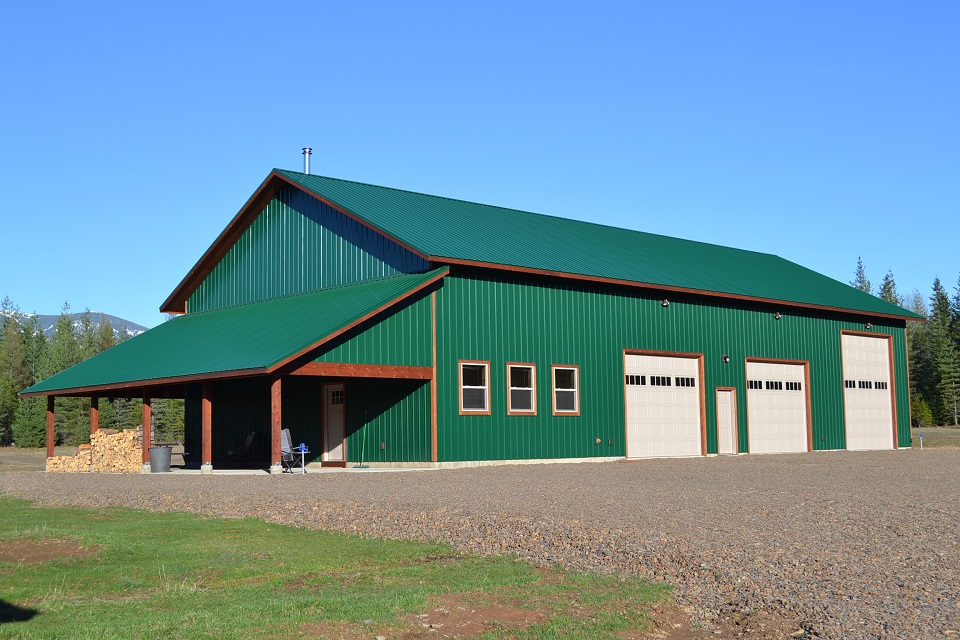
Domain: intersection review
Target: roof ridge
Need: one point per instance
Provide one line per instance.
(522, 211)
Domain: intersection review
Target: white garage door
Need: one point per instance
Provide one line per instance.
(663, 406)
(867, 397)
(776, 408)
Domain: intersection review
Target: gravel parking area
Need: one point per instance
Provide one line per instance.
(845, 545)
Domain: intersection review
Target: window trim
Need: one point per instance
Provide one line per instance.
(473, 412)
(553, 386)
(533, 389)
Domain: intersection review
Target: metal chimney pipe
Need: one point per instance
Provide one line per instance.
(306, 159)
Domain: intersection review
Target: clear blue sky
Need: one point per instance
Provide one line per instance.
(819, 131)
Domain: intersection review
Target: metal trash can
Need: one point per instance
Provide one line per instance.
(160, 459)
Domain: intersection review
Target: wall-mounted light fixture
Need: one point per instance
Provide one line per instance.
(725, 358)
(776, 315)
(867, 326)
(664, 303)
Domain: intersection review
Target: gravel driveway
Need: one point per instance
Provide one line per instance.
(847, 545)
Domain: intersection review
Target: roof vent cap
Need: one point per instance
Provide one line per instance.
(306, 159)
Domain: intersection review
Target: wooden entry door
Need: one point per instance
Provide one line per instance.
(726, 421)
(334, 432)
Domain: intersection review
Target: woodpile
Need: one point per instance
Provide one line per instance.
(109, 451)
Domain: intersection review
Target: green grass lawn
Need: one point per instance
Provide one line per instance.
(936, 437)
(148, 575)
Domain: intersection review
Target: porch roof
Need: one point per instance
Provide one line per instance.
(250, 339)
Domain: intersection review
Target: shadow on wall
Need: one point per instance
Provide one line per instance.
(13, 613)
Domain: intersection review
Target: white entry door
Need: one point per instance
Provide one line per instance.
(867, 396)
(776, 408)
(663, 406)
(726, 421)
(333, 423)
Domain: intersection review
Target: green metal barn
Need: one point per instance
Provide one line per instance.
(386, 326)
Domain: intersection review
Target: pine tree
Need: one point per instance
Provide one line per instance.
(922, 356)
(940, 310)
(888, 290)
(938, 356)
(86, 335)
(30, 423)
(920, 412)
(35, 346)
(14, 378)
(860, 280)
(9, 312)
(105, 337)
(65, 350)
(948, 368)
(917, 304)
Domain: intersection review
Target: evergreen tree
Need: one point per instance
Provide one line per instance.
(105, 337)
(30, 417)
(955, 316)
(948, 369)
(921, 356)
(940, 309)
(917, 304)
(86, 335)
(34, 345)
(65, 350)
(860, 280)
(938, 356)
(30, 423)
(920, 412)
(168, 419)
(9, 312)
(14, 378)
(888, 290)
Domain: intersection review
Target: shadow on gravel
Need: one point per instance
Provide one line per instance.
(13, 613)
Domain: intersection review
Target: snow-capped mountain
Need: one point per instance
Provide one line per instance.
(120, 326)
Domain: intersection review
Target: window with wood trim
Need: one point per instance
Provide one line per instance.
(566, 390)
(521, 389)
(475, 387)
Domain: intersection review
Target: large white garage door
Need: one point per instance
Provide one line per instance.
(663, 406)
(776, 408)
(867, 397)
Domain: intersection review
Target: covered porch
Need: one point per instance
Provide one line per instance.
(282, 364)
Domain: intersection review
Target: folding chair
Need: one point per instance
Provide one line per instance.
(288, 459)
(243, 455)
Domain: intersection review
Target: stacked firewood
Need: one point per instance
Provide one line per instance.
(79, 462)
(109, 451)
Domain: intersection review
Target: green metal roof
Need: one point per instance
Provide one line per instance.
(254, 338)
(443, 228)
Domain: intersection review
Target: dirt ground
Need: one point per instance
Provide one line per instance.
(16, 459)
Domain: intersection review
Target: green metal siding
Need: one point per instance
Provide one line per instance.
(295, 245)
(505, 319)
(393, 412)
(402, 338)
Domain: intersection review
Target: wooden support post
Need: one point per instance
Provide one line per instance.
(147, 416)
(206, 429)
(51, 402)
(94, 414)
(276, 423)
